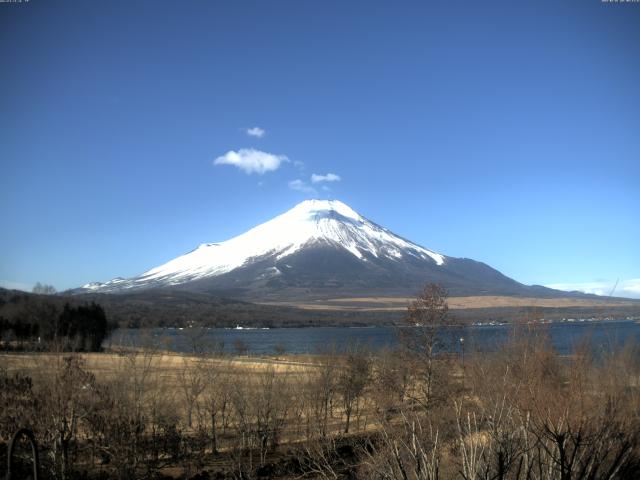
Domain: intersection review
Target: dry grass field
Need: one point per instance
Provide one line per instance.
(455, 303)
(167, 366)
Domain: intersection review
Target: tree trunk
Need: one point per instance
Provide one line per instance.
(214, 434)
(348, 413)
(64, 445)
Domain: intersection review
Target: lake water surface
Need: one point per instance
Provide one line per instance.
(565, 336)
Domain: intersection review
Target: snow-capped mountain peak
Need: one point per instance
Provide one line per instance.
(321, 209)
(310, 223)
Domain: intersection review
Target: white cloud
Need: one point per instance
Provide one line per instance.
(302, 187)
(251, 161)
(329, 177)
(626, 288)
(255, 132)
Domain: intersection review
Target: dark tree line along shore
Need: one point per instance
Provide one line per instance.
(42, 325)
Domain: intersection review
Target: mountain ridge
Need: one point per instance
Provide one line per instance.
(318, 249)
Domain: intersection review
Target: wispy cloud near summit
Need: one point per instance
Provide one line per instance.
(329, 177)
(315, 179)
(302, 186)
(251, 161)
(256, 132)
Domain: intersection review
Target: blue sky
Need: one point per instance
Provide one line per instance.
(507, 132)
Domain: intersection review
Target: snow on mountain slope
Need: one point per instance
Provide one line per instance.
(308, 223)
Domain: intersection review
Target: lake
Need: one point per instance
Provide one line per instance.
(565, 336)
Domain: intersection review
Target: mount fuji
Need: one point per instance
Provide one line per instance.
(319, 249)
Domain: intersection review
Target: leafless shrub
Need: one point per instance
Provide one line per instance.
(216, 398)
(318, 393)
(531, 416)
(407, 451)
(352, 379)
(192, 382)
(391, 379)
(68, 395)
(18, 404)
(261, 406)
(320, 459)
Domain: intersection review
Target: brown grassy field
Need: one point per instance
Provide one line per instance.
(455, 303)
(167, 365)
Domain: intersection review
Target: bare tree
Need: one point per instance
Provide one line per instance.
(43, 289)
(535, 417)
(216, 396)
(353, 377)
(406, 451)
(392, 378)
(426, 317)
(241, 347)
(197, 335)
(67, 392)
(192, 381)
(18, 404)
(320, 459)
(320, 386)
(122, 421)
(272, 403)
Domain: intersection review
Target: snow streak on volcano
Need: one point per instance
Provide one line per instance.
(311, 223)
